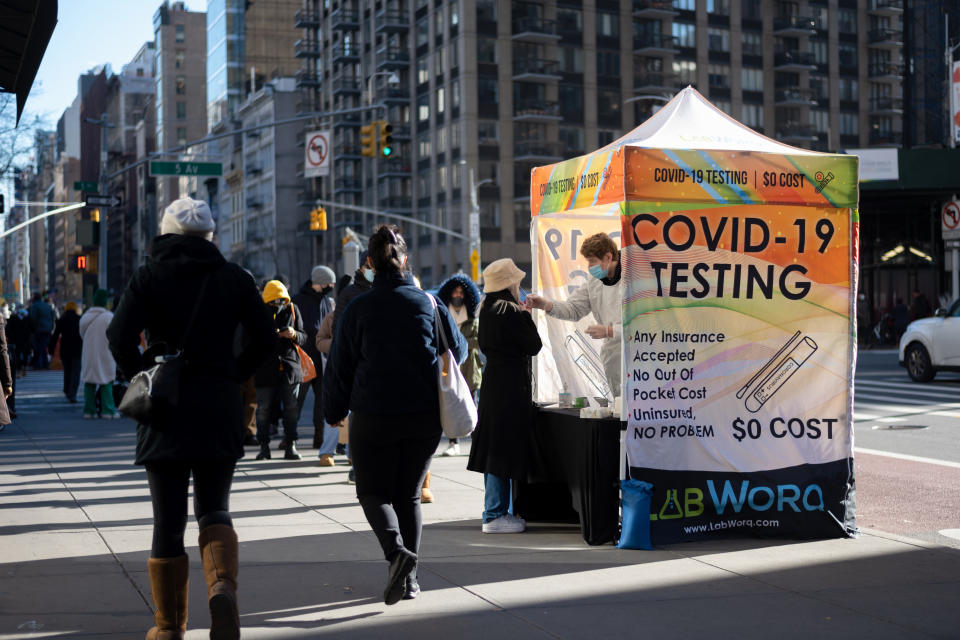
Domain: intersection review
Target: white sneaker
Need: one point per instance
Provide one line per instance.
(505, 524)
(452, 450)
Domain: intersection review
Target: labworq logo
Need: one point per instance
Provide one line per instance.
(823, 180)
(726, 495)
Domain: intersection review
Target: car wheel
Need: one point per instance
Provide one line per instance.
(918, 363)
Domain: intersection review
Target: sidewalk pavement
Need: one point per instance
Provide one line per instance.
(75, 529)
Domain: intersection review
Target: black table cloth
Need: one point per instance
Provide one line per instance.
(573, 473)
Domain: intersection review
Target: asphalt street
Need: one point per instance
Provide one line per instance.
(907, 453)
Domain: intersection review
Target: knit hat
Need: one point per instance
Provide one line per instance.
(501, 274)
(188, 217)
(70, 306)
(274, 290)
(322, 275)
(100, 297)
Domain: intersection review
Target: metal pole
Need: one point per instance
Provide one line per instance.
(474, 230)
(955, 275)
(104, 215)
(386, 214)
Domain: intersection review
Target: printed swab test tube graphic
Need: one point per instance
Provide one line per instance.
(784, 364)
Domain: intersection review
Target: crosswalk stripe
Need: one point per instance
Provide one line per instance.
(906, 385)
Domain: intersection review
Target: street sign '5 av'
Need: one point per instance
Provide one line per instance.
(159, 168)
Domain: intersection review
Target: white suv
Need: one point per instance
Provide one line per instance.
(932, 344)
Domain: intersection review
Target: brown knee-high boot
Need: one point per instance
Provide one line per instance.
(426, 495)
(168, 584)
(219, 550)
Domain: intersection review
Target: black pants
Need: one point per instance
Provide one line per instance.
(169, 482)
(391, 455)
(71, 377)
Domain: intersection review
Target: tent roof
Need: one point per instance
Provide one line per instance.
(690, 121)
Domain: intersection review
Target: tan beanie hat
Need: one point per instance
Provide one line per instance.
(501, 274)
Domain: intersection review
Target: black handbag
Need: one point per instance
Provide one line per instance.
(154, 394)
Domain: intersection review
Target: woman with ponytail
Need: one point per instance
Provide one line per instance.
(382, 369)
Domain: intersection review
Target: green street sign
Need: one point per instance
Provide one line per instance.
(80, 185)
(186, 169)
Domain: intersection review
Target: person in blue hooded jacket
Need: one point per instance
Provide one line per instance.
(382, 369)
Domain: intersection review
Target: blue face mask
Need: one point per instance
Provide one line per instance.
(368, 274)
(598, 272)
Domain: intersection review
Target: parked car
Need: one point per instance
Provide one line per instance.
(932, 344)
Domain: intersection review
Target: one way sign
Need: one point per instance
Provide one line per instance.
(102, 200)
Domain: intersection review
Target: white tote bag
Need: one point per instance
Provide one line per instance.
(458, 413)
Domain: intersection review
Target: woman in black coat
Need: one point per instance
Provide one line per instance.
(508, 338)
(382, 368)
(203, 436)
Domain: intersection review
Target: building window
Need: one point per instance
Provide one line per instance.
(441, 101)
(686, 71)
(571, 59)
(181, 110)
(454, 13)
(455, 94)
(752, 79)
(752, 115)
(820, 87)
(847, 20)
(849, 124)
(718, 76)
(848, 57)
(422, 32)
(488, 91)
(819, 50)
(686, 5)
(486, 10)
(181, 85)
(820, 120)
(179, 59)
(571, 139)
(751, 43)
(487, 132)
(181, 136)
(571, 102)
(750, 9)
(608, 25)
(439, 61)
(686, 34)
(848, 89)
(487, 50)
(423, 107)
(718, 7)
(438, 22)
(569, 21)
(606, 136)
(423, 71)
(179, 34)
(608, 105)
(718, 39)
(454, 55)
(608, 62)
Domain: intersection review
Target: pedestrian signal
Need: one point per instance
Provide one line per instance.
(79, 262)
(368, 141)
(386, 139)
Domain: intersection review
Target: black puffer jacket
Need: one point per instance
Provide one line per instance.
(283, 366)
(159, 300)
(359, 285)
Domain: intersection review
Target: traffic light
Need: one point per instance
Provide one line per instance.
(79, 262)
(368, 141)
(95, 215)
(386, 140)
(318, 219)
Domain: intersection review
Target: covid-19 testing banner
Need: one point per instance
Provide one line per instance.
(740, 271)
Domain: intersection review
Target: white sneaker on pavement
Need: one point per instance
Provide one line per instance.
(452, 450)
(505, 524)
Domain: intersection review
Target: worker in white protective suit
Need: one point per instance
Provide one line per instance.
(602, 296)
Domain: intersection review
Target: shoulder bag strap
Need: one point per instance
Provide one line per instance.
(438, 325)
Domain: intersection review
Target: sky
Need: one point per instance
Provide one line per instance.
(89, 33)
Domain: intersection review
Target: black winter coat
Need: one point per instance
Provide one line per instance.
(18, 332)
(314, 306)
(384, 354)
(283, 365)
(68, 331)
(159, 300)
(508, 337)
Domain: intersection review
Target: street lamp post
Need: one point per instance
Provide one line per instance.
(104, 124)
(474, 226)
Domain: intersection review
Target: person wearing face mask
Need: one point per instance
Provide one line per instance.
(602, 296)
(362, 282)
(461, 296)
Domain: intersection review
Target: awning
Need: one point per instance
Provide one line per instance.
(25, 30)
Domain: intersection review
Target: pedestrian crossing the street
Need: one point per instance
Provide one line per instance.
(888, 400)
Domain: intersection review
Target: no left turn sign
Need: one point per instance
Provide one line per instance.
(317, 154)
(950, 220)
